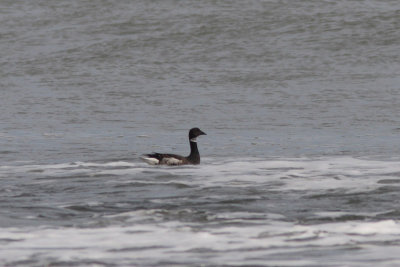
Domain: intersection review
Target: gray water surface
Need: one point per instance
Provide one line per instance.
(299, 99)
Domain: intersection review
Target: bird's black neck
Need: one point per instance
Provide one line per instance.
(194, 153)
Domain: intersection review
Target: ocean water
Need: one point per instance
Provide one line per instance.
(300, 101)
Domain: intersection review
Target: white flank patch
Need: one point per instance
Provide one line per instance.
(151, 161)
(171, 161)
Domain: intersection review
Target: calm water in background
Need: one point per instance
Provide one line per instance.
(300, 101)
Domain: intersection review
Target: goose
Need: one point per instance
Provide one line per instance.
(172, 159)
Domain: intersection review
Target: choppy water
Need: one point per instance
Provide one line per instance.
(300, 101)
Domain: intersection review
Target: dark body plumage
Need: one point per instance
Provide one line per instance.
(172, 159)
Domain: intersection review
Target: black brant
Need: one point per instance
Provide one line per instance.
(171, 159)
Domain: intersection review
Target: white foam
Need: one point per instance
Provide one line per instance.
(321, 174)
(353, 175)
(250, 237)
(164, 241)
(69, 169)
(349, 174)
